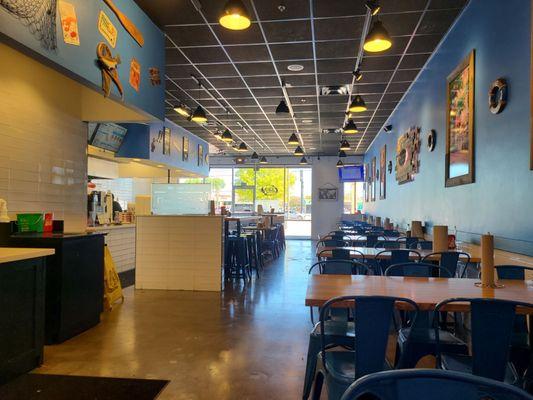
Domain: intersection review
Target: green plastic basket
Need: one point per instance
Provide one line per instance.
(30, 222)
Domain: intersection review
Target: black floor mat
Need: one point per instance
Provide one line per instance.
(66, 387)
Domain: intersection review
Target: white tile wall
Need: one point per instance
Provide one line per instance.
(121, 244)
(43, 162)
(179, 253)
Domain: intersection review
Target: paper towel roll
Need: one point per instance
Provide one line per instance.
(378, 221)
(487, 260)
(440, 238)
(416, 229)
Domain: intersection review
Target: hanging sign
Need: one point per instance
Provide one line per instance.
(135, 74)
(107, 29)
(69, 23)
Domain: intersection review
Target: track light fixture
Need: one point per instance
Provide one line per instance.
(303, 161)
(373, 6)
(293, 139)
(299, 151)
(387, 128)
(378, 39)
(345, 145)
(350, 127)
(183, 110)
(358, 104)
(242, 147)
(263, 160)
(235, 16)
(282, 108)
(255, 156)
(358, 75)
(218, 134)
(227, 137)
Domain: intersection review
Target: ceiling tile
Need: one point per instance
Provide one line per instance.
(287, 31)
(256, 53)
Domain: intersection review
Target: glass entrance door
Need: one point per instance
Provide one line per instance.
(298, 202)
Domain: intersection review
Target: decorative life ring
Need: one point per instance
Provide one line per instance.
(432, 140)
(498, 96)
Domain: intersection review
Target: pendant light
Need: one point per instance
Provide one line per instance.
(242, 147)
(255, 156)
(282, 108)
(294, 140)
(350, 127)
(235, 16)
(378, 38)
(345, 145)
(303, 161)
(357, 104)
(342, 154)
(198, 115)
(263, 160)
(226, 136)
(183, 110)
(373, 6)
(298, 151)
(339, 164)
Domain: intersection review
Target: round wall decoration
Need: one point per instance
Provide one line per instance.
(498, 96)
(432, 140)
(269, 190)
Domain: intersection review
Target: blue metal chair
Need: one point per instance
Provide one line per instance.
(410, 242)
(421, 384)
(387, 244)
(450, 261)
(492, 322)
(418, 340)
(372, 317)
(321, 254)
(331, 243)
(337, 330)
(396, 256)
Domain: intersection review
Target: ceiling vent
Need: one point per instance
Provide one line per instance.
(341, 90)
(330, 131)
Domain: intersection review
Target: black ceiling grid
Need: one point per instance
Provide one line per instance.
(243, 70)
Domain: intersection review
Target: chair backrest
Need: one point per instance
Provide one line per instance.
(340, 254)
(410, 242)
(450, 260)
(331, 243)
(340, 267)
(387, 244)
(415, 269)
(492, 322)
(425, 245)
(434, 384)
(373, 316)
(399, 255)
(513, 272)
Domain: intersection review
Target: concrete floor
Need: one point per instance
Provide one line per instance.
(250, 342)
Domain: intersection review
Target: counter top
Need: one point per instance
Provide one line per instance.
(10, 254)
(103, 228)
(50, 235)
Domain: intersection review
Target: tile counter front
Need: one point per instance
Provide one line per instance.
(179, 253)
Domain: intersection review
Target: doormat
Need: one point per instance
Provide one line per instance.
(67, 387)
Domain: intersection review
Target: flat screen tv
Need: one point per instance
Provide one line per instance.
(352, 173)
(107, 136)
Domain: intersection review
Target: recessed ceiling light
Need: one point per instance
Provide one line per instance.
(295, 67)
(307, 121)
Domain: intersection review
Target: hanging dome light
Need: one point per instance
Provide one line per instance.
(298, 151)
(183, 110)
(342, 154)
(282, 108)
(350, 127)
(199, 115)
(263, 160)
(345, 145)
(242, 147)
(340, 164)
(358, 104)
(294, 140)
(235, 16)
(226, 136)
(303, 161)
(378, 38)
(254, 156)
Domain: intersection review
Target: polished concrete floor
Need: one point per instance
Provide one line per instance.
(249, 342)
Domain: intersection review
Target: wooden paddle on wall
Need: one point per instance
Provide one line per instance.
(126, 23)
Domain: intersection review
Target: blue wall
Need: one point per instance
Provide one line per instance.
(501, 199)
(79, 61)
(137, 144)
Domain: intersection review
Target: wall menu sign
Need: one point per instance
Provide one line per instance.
(107, 29)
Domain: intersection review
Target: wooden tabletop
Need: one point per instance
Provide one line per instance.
(426, 292)
(370, 252)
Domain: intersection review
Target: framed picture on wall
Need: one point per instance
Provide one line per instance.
(200, 155)
(367, 182)
(166, 141)
(460, 123)
(373, 180)
(185, 147)
(328, 193)
(383, 175)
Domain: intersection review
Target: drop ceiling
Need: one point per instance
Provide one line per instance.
(244, 70)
